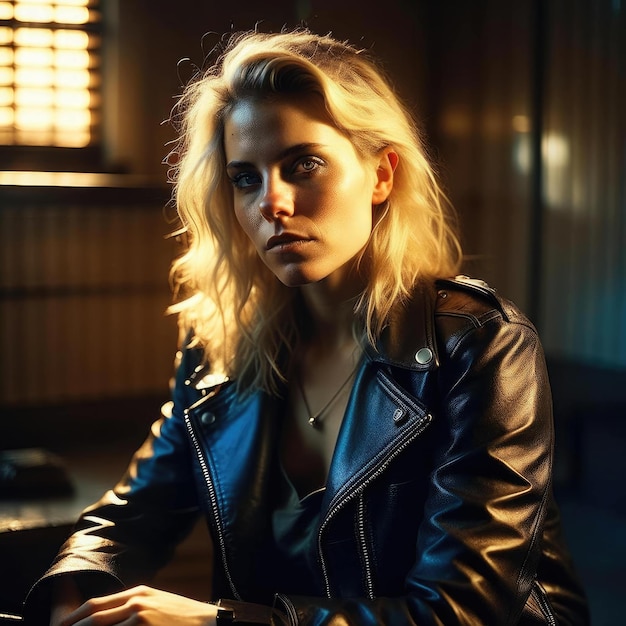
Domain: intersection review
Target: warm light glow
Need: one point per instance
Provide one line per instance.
(6, 96)
(76, 59)
(73, 98)
(6, 57)
(6, 116)
(521, 124)
(555, 159)
(34, 37)
(72, 78)
(74, 139)
(6, 11)
(35, 137)
(33, 77)
(6, 35)
(46, 73)
(456, 122)
(6, 75)
(35, 118)
(67, 120)
(33, 57)
(66, 179)
(41, 13)
(71, 39)
(71, 15)
(34, 97)
(555, 150)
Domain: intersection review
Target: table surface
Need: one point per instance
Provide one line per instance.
(31, 531)
(91, 473)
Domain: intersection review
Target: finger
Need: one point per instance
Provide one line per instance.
(124, 614)
(96, 607)
(110, 617)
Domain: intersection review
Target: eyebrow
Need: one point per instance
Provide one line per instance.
(283, 154)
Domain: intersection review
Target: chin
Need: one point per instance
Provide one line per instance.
(297, 278)
(293, 281)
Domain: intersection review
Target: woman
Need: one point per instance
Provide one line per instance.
(370, 441)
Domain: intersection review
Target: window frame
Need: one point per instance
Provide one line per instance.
(47, 157)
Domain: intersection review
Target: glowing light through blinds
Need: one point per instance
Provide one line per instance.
(49, 69)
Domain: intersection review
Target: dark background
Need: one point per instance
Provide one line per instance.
(521, 104)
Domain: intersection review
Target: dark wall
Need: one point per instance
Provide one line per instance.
(151, 36)
(488, 80)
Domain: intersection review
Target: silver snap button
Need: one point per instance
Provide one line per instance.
(423, 356)
(208, 418)
(398, 415)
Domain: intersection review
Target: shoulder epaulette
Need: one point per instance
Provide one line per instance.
(472, 285)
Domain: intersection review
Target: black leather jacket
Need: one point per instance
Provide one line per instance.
(438, 507)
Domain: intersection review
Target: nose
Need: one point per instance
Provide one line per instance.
(277, 200)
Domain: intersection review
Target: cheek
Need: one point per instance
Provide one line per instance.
(247, 223)
(242, 217)
(357, 207)
(355, 188)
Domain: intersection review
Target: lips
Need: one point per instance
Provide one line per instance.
(286, 239)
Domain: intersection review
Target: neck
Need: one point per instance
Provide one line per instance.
(331, 309)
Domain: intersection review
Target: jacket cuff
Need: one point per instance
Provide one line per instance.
(37, 604)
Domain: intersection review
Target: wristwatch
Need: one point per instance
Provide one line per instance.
(224, 616)
(244, 614)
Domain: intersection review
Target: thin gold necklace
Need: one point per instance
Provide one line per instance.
(314, 418)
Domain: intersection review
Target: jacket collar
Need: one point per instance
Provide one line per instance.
(380, 421)
(408, 340)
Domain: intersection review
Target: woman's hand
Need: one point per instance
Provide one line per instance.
(141, 605)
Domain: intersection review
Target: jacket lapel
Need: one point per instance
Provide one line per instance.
(381, 417)
(238, 437)
(239, 441)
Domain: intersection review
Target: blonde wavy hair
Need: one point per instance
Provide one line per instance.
(247, 322)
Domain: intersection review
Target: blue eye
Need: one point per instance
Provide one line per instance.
(245, 180)
(309, 164)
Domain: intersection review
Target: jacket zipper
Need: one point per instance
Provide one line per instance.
(287, 607)
(367, 562)
(544, 604)
(213, 498)
(368, 574)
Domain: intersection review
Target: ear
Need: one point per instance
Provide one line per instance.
(387, 163)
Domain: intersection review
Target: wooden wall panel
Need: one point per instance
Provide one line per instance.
(583, 293)
(83, 293)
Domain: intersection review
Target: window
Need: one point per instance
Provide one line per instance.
(49, 73)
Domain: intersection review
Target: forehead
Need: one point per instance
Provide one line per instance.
(259, 125)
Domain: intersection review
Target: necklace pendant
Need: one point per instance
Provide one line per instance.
(313, 422)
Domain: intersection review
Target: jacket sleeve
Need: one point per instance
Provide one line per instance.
(479, 540)
(132, 531)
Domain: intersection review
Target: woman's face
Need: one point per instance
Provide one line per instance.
(301, 192)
